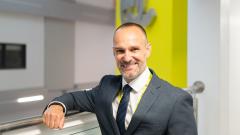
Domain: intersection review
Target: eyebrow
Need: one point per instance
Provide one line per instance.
(117, 48)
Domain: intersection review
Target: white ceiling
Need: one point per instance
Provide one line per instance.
(107, 4)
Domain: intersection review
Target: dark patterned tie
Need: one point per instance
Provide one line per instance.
(122, 109)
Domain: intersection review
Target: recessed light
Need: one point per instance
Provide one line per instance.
(30, 99)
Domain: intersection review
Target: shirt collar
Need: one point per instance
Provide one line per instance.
(138, 83)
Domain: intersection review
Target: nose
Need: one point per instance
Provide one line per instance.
(127, 56)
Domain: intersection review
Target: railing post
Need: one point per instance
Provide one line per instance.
(197, 88)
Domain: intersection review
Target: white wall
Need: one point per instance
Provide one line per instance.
(234, 67)
(20, 28)
(224, 69)
(59, 53)
(106, 4)
(93, 52)
(204, 61)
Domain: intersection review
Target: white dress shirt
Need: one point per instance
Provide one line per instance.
(135, 95)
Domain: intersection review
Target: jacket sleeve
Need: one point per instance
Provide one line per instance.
(79, 100)
(182, 121)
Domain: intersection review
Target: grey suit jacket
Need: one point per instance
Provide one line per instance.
(163, 109)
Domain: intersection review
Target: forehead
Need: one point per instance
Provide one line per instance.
(129, 34)
(129, 29)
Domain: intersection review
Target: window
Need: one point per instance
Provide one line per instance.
(12, 56)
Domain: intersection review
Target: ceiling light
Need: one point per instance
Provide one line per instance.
(30, 99)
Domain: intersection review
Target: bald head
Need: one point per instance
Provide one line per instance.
(132, 26)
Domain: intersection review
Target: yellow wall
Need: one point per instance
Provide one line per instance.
(168, 37)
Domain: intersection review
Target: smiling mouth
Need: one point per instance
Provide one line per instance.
(127, 66)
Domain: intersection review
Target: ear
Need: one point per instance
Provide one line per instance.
(149, 49)
(113, 51)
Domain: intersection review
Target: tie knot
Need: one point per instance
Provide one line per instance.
(127, 88)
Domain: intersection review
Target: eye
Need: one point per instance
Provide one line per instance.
(119, 51)
(135, 49)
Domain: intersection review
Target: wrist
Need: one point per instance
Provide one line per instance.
(56, 106)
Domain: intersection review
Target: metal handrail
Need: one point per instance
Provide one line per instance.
(196, 88)
(20, 124)
(28, 122)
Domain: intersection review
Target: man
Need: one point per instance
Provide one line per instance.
(136, 102)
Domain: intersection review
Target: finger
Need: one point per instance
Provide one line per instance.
(43, 119)
(62, 123)
(56, 121)
(51, 120)
(46, 119)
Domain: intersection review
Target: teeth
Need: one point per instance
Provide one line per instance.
(126, 65)
(123, 65)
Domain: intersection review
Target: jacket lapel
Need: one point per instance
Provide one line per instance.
(113, 90)
(145, 104)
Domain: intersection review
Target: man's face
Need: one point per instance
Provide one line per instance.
(131, 51)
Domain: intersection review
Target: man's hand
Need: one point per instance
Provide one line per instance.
(53, 117)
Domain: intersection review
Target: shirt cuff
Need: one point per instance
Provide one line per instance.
(59, 103)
